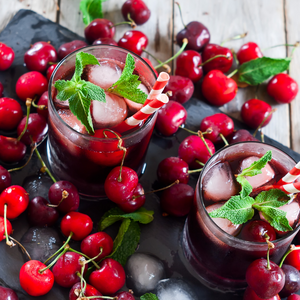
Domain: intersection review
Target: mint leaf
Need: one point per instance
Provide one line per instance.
(83, 59)
(66, 89)
(127, 85)
(274, 198)
(258, 70)
(246, 186)
(91, 10)
(149, 296)
(237, 209)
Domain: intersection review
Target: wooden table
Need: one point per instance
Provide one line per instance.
(268, 23)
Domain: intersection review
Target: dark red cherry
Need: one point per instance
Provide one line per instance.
(31, 84)
(10, 113)
(254, 111)
(8, 294)
(182, 88)
(50, 71)
(221, 63)
(293, 297)
(105, 41)
(138, 11)
(282, 88)
(292, 281)
(1, 89)
(197, 35)
(188, 65)
(218, 89)
(40, 214)
(43, 101)
(99, 28)
(248, 52)
(2, 231)
(241, 135)
(170, 117)
(38, 57)
(134, 40)
(5, 179)
(7, 56)
(193, 149)
(220, 124)
(11, 150)
(177, 200)
(70, 47)
(124, 296)
(256, 231)
(89, 291)
(171, 169)
(250, 295)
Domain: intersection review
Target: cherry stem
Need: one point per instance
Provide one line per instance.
(262, 136)
(237, 37)
(64, 195)
(167, 67)
(263, 121)
(101, 297)
(195, 171)
(27, 162)
(42, 107)
(130, 22)
(188, 130)
(291, 249)
(297, 44)
(82, 283)
(270, 246)
(85, 256)
(28, 105)
(21, 246)
(235, 57)
(232, 73)
(200, 134)
(180, 14)
(199, 162)
(224, 139)
(8, 242)
(212, 58)
(44, 167)
(185, 42)
(54, 261)
(60, 249)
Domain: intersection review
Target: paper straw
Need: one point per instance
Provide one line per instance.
(289, 188)
(291, 176)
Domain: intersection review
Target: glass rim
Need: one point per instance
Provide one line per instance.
(87, 136)
(227, 235)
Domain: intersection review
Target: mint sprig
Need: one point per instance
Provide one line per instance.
(91, 10)
(149, 296)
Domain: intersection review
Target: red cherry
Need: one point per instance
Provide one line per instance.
(10, 113)
(138, 11)
(197, 35)
(43, 101)
(79, 224)
(120, 191)
(5, 179)
(50, 71)
(8, 294)
(134, 40)
(221, 63)
(151, 65)
(92, 244)
(254, 111)
(293, 297)
(31, 84)
(11, 150)
(32, 281)
(264, 282)
(218, 89)
(7, 56)
(66, 268)
(182, 88)
(250, 295)
(99, 28)
(38, 57)
(37, 129)
(124, 296)
(255, 231)
(192, 149)
(241, 135)
(1, 89)
(248, 52)
(89, 291)
(188, 65)
(220, 124)
(282, 88)
(16, 199)
(170, 117)
(2, 229)
(109, 278)
(105, 41)
(293, 259)
(67, 48)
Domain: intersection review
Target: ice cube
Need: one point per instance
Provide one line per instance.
(224, 224)
(133, 107)
(175, 289)
(258, 180)
(104, 75)
(61, 104)
(68, 117)
(108, 114)
(143, 272)
(219, 183)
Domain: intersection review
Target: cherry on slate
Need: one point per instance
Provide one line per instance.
(89, 291)
(293, 258)
(293, 297)
(50, 71)
(292, 281)
(124, 296)
(282, 88)
(99, 28)
(241, 135)
(250, 295)
(255, 231)
(247, 52)
(11, 150)
(105, 41)
(8, 294)
(138, 11)
(10, 113)
(5, 179)
(70, 47)
(7, 56)
(42, 104)
(134, 40)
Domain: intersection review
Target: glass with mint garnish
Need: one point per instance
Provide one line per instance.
(235, 211)
(91, 92)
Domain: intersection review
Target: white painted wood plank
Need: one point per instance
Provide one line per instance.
(292, 29)
(47, 8)
(229, 18)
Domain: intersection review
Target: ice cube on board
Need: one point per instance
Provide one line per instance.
(224, 224)
(110, 113)
(258, 180)
(219, 183)
(143, 272)
(133, 107)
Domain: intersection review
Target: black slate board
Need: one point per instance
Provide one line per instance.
(160, 238)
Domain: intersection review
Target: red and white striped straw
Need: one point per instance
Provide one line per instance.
(291, 176)
(289, 188)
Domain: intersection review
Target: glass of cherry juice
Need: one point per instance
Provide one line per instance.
(83, 159)
(219, 257)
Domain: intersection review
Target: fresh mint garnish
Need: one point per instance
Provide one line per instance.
(80, 93)
(258, 70)
(127, 85)
(149, 296)
(91, 10)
